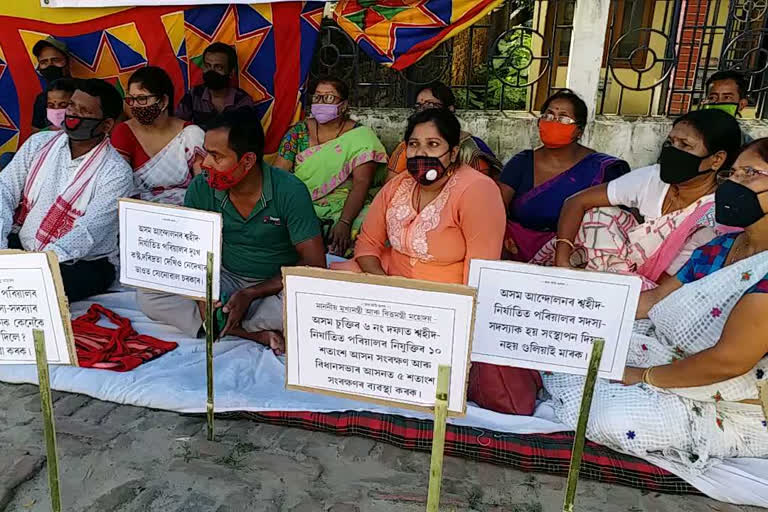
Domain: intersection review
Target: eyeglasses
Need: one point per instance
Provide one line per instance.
(427, 105)
(327, 99)
(141, 101)
(562, 119)
(748, 172)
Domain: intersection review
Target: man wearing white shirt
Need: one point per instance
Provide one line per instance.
(60, 192)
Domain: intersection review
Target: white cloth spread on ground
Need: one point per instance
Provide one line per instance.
(250, 378)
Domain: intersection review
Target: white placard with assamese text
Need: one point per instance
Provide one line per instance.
(374, 342)
(545, 318)
(165, 248)
(28, 301)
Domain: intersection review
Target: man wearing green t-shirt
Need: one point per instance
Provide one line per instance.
(268, 222)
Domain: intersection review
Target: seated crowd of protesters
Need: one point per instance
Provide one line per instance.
(693, 226)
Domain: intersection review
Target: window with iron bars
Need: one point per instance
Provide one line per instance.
(658, 57)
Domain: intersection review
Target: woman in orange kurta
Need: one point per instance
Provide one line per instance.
(430, 222)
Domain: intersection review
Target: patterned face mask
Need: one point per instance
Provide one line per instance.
(147, 115)
(225, 180)
(426, 170)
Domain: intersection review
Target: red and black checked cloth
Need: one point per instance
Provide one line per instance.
(543, 453)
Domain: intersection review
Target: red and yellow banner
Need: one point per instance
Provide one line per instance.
(113, 43)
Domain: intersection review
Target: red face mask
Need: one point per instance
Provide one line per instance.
(556, 135)
(225, 180)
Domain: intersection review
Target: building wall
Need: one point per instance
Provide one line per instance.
(637, 140)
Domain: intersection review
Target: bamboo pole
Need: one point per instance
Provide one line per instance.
(581, 426)
(438, 437)
(209, 338)
(49, 429)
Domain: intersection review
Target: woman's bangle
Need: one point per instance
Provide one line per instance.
(565, 241)
(345, 221)
(647, 376)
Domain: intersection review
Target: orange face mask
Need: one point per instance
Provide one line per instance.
(556, 135)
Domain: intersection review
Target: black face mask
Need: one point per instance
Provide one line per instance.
(215, 81)
(678, 166)
(737, 205)
(51, 73)
(81, 128)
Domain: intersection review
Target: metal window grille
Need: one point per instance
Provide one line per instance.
(506, 61)
(658, 57)
(661, 66)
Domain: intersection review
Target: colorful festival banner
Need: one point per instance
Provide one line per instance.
(397, 33)
(139, 3)
(112, 44)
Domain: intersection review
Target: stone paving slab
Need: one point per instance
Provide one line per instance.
(130, 459)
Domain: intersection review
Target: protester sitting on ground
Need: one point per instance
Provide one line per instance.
(690, 387)
(727, 91)
(52, 63)
(60, 192)
(428, 223)
(535, 183)
(58, 95)
(164, 151)
(216, 94)
(674, 197)
(341, 162)
(472, 150)
(268, 223)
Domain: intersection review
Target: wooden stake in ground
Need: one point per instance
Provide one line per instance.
(581, 426)
(438, 438)
(209, 338)
(49, 429)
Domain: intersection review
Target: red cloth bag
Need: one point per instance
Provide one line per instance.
(119, 349)
(504, 389)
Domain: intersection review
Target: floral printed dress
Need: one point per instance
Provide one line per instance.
(689, 426)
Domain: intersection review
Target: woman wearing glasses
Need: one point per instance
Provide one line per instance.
(536, 183)
(473, 151)
(165, 152)
(690, 387)
(674, 198)
(339, 160)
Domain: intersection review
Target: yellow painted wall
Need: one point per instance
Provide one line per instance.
(643, 101)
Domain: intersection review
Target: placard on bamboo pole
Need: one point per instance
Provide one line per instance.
(438, 438)
(49, 429)
(209, 339)
(581, 426)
